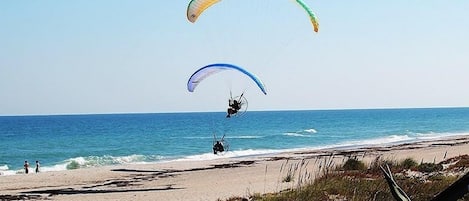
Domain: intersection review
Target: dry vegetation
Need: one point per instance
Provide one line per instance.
(354, 180)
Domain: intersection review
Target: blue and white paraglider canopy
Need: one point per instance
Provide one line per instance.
(211, 69)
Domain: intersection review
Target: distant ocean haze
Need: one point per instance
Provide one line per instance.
(62, 142)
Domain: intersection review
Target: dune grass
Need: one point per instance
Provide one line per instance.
(354, 181)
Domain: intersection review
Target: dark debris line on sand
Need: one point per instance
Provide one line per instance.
(22, 197)
(71, 191)
(218, 166)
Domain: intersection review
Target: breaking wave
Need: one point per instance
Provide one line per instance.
(229, 154)
(302, 133)
(96, 161)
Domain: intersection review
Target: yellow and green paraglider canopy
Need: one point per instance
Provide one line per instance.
(197, 7)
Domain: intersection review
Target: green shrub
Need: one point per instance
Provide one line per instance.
(430, 167)
(353, 164)
(409, 163)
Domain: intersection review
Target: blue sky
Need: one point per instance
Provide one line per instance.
(75, 57)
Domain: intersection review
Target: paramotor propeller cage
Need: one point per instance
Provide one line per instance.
(225, 144)
(243, 105)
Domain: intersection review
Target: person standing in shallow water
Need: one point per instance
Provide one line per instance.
(37, 166)
(26, 167)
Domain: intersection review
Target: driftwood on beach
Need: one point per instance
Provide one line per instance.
(453, 193)
(456, 191)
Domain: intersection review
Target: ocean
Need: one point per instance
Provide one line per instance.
(63, 142)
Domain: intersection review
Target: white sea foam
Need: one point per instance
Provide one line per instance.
(384, 140)
(3, 167)
(4, 170)
(296, 135)
(58, 167)
(96, 161)
(311, 130)
(433, 135)
(397, 139)
(8, 172)
(302, 133)
(387, 140)
(229, 154)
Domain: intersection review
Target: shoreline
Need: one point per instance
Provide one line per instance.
(208, 179)
(386, 141)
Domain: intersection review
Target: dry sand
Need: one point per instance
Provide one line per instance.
(208, 180)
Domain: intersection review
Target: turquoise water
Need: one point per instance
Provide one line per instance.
(63, 142)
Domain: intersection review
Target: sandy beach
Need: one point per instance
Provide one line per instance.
(207, 180)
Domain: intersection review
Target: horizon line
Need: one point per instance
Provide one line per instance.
(278, 110)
